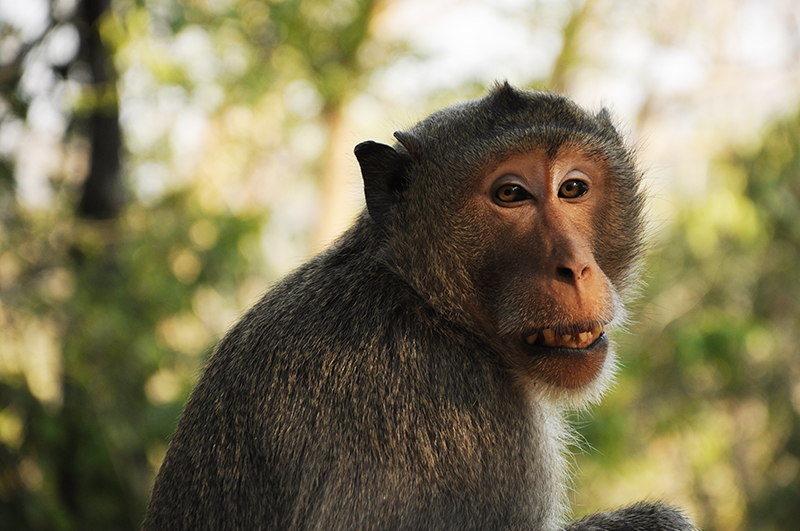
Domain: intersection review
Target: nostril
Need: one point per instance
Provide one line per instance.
(565, 272)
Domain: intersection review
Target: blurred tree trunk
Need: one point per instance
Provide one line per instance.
(101, 196)
(568, 57)
(339, 73)
(338, 182)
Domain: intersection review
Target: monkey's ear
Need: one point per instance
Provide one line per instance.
(385, 177)
(410, 142)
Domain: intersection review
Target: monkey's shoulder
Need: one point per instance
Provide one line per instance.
(340, 301)
(336, 308)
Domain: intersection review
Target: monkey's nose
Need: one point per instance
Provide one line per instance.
(572, 273)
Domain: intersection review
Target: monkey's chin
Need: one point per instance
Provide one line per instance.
(567, 367)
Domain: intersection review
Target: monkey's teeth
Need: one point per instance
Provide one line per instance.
(549, 338)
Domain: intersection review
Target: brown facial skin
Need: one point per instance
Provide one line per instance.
(549, 307)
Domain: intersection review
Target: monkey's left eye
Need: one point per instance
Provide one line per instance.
(573, 188)
(511, 193)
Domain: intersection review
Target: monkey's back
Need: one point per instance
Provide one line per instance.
(341, 371)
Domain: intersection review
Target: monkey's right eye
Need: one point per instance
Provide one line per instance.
(511, 193)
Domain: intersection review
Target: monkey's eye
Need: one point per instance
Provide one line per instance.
(511, 193)
(573, 188)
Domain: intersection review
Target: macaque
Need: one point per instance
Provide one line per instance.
(415, 374)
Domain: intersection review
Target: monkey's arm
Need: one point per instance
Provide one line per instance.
(643, 516)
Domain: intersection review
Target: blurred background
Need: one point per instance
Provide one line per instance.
(162, 162)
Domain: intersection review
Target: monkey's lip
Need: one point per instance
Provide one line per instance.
(577, 337)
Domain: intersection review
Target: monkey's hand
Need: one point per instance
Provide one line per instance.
(641, 516)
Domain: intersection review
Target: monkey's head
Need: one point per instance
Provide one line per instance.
(518, 215)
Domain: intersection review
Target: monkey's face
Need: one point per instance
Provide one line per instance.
(518, 215)
(536, 274)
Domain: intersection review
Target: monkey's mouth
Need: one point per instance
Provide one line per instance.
(580, 337)
(569, 356)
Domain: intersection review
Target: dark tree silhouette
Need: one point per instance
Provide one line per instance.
(102, 193)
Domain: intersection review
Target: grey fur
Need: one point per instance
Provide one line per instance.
(361, 393)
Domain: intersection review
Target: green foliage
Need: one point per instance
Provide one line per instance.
(84, 458)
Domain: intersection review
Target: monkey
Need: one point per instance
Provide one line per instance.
(415, 374)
